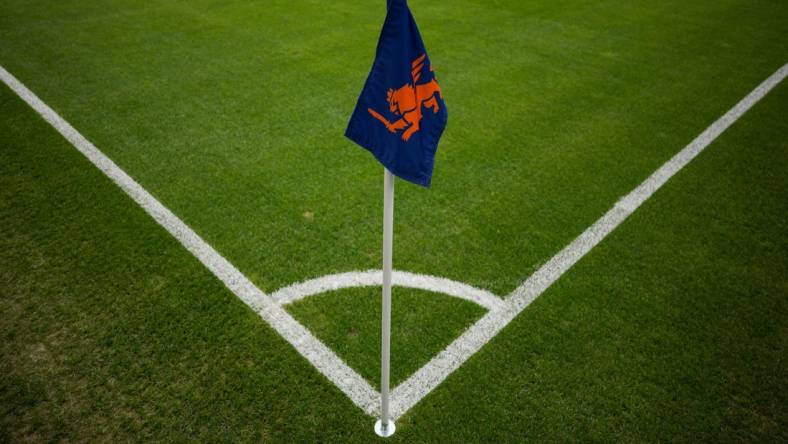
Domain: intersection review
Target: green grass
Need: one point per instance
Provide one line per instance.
(422, 322)
(673, 329)
(231, 113)
(111, 331)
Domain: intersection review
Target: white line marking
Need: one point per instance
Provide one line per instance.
(370, 278)
(418, 385)
(323, 358)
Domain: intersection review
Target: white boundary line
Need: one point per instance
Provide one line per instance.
(418, 385)
(372, 278)
(323, 358)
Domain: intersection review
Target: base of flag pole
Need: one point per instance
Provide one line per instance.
(387, 431)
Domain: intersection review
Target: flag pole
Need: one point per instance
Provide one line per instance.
(385, 426)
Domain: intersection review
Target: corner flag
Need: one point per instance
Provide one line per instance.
(399, 118)
(400, 114)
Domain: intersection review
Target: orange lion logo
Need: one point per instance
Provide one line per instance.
(408, 100)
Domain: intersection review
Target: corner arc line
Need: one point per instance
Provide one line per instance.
(372, 278)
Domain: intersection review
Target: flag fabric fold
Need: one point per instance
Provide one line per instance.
(400, 115)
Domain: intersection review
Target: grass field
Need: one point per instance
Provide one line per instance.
(674, 328)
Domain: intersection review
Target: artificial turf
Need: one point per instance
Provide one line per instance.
(231, 114)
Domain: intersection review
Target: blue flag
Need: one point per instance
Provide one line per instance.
(400, 114)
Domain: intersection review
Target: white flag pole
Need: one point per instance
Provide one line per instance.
(385, 426)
